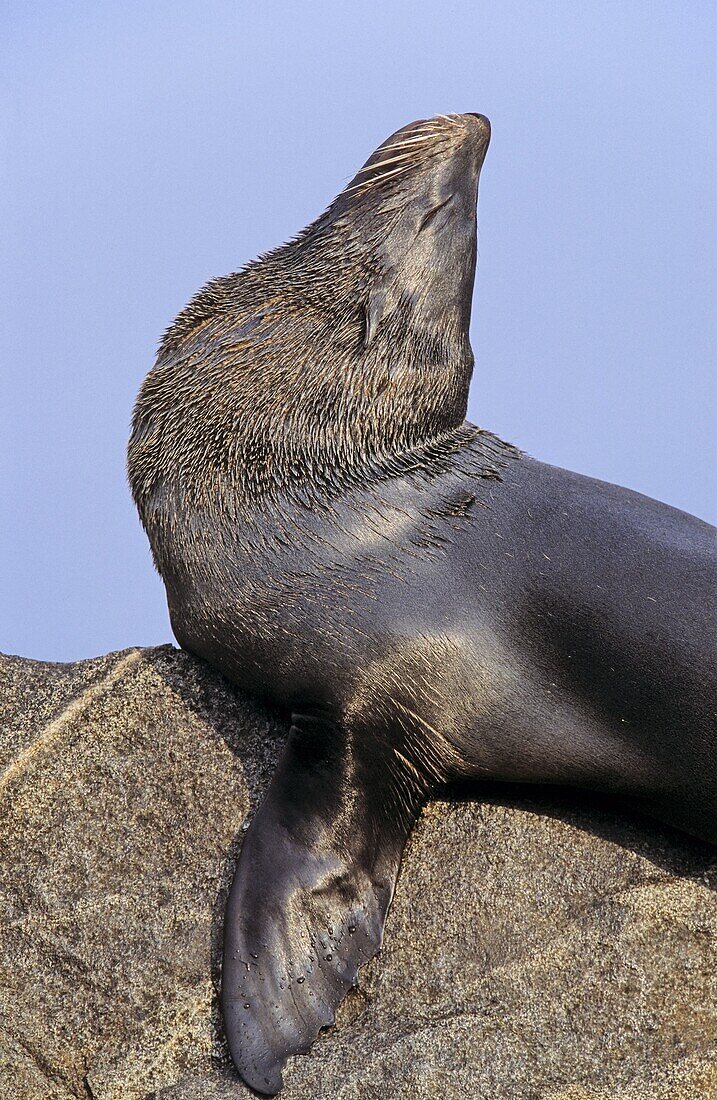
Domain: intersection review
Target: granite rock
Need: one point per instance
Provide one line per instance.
(540, 946)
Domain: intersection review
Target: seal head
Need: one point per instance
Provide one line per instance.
(344, 346)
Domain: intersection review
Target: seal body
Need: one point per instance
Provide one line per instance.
(427, 602)
(499, 618)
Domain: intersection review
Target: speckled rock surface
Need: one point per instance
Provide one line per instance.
(539, 948)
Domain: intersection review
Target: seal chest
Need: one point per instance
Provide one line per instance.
(335, 537)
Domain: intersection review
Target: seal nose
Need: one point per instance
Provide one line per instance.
(480, 123)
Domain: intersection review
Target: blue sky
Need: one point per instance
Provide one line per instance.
(148, 147)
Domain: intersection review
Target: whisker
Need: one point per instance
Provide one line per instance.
(372, 182)
(388, 160)
(419, 132)
(410, 142)
(418, 142)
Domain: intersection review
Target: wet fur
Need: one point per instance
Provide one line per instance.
(429, 603)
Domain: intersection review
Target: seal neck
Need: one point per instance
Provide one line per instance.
(257, 424)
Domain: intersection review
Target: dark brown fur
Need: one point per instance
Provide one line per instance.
(328, 353)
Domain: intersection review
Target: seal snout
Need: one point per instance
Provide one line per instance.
(479, 129)
(482, 120)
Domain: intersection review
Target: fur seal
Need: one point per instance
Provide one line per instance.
(429, 603)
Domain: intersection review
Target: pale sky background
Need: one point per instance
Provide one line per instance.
(150, 146)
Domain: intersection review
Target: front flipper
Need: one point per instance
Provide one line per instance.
(309, 899)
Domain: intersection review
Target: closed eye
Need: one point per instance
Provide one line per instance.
(428, 218)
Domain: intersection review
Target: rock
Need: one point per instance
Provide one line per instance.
(539, 948)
